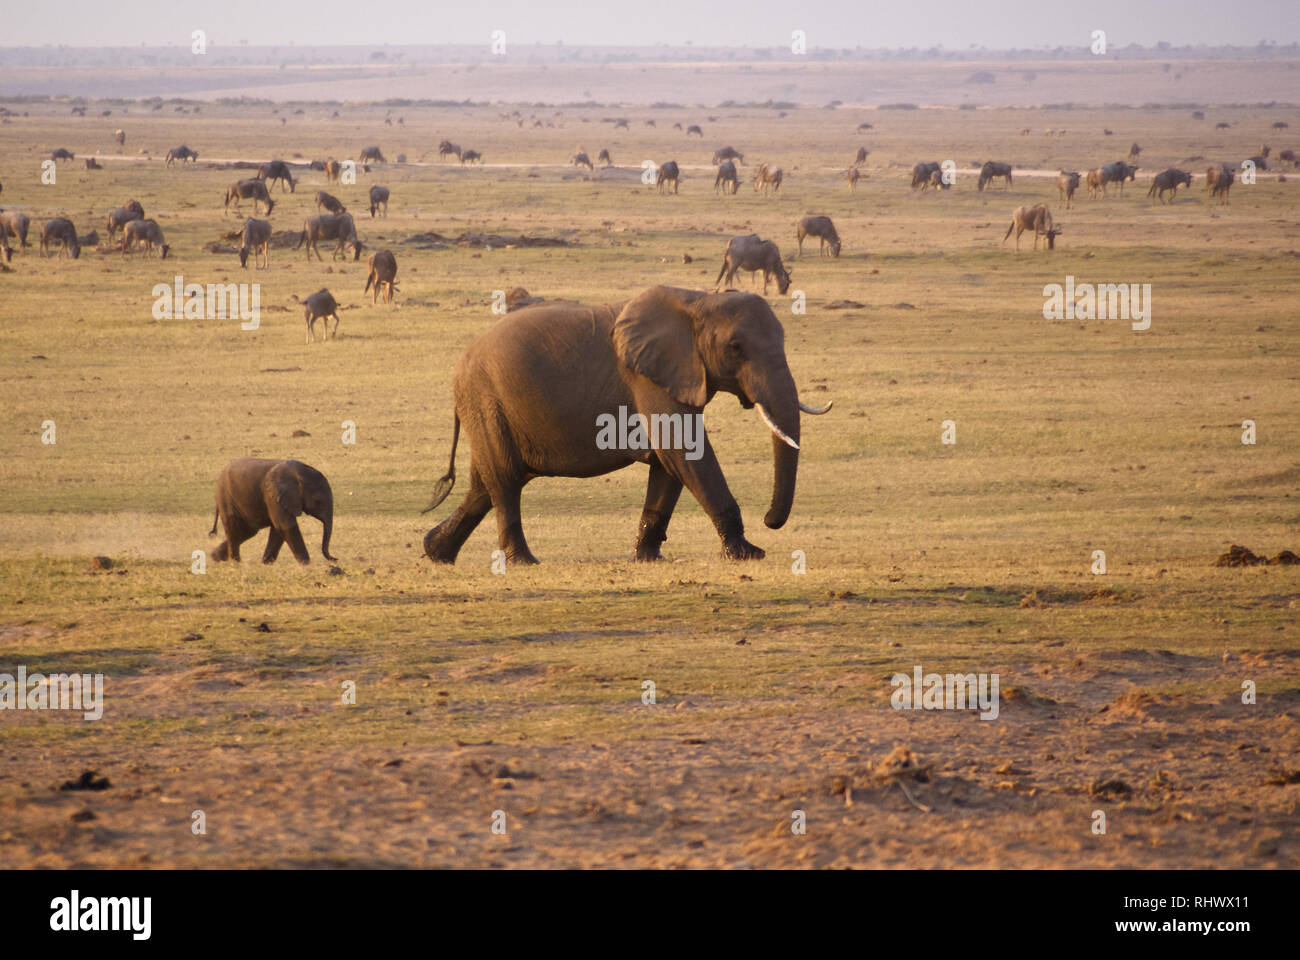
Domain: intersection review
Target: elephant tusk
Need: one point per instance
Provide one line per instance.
(774, 428)
(815, 411)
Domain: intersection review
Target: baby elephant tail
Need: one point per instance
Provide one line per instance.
(213, 531)
(448, 479)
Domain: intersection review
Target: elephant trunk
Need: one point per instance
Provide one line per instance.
(778, 403)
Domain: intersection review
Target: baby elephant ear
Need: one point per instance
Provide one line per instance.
(282, 490)
(655, 336)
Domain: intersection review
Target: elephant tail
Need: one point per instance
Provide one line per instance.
(213, 531)
(448, 479)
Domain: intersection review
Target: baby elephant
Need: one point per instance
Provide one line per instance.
(253, 493)
(321, 305)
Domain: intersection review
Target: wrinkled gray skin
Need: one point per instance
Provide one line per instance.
(530, 390)
(753, 253)
(823, 230)
(253, 493)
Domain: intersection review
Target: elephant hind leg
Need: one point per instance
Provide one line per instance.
(236, 533)
(273, 544)
(510, 526)
(662, 491)
(443, 542)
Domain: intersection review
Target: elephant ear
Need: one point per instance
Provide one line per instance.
(655, 336)
(282, 490)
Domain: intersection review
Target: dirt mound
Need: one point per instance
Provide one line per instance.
(1239, 556)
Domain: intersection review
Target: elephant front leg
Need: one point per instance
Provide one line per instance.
(704, 478)
(661, 495)
(293, 536)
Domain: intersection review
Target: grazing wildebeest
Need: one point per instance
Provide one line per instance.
(728, 153)
(1223, 183)
(727, 177)
(1117, 172)
(329, 202)
(667, 173)
(321, 305)
(992, 169)
(754, 254)
(695, 130)
(823, 230)
(383, 272)
(921, 174)
(864, 126)
(1066, 184)
(92, 164)
(122, 216)
(620, 123)
(62, 154)
(1036, 218)
(378, 198)
(120, 137)
(854, 177)
(1222, 125)
(604, 157)
(448, 149)
(470, 156)
(63, 232)
(182, 153)
(580, 159)
(276, 170)
(249, 189)
(1288, 156)
(1134, 151)
(257, 238)
(146, 232)
(328, 226)
(1170, 180)
(373, 154)
(15, 224)
(766, 177)
(861, 157)
(1259, 162)
(937, 181)
(1094, 183)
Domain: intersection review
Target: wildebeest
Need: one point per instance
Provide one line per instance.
(383, 272)
(1094, 183)
(373, 154)
(321, 305)
(92, 164)
(146, 232)
(470, 156)
(752, 253)
(727, 177)
(182, 153)
(861, 157)
(823, 230)
(992, 169)
(276, 170)
(1066, 184)
(766, 177)
(328, 226)
(1259, 162)
(728, 153)
(62, 154)
(122, 216)
(1170, 180)
(937, 181)
(1036, 218)
(329, 202)
(257, 238)
(921, 174)
(1223, 179)
(854, 177)
(580, 159)
(1288, 156)
(333, 170)
(693, 128)
(667, 173)
(603, 156)
(61, 231)
(449, 149)
(15, 224)
(1134, 151)
(249, 189)
(1117, 172)
(378, 198)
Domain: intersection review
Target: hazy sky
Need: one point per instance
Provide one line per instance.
(953, 24)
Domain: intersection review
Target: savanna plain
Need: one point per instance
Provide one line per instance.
(522, 692)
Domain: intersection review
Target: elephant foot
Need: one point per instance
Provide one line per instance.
(646, 553)
(739, 548)
(521, 556)
(436, 549)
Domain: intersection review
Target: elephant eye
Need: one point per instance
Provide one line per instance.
(735, 350)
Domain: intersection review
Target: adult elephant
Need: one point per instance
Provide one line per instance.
(253, 493)
(534, 390)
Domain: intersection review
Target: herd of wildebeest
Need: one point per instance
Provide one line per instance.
(663, 354)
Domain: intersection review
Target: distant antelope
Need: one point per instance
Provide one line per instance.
(1066, 184)
(1134, 151)
(603, 156)
(861, 157)
(580, 159)
(1036, 218)
(767, 177)
(854, 177)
